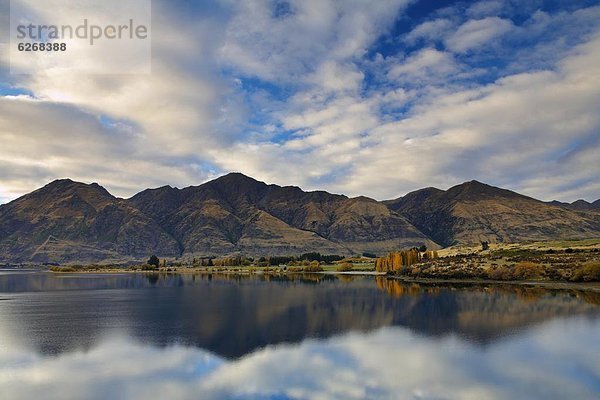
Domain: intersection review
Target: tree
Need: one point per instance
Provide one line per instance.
(315, 266)
(485, 245)
(153, 260)
(344, 267)
(423, 248)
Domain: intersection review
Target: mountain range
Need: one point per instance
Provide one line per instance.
(68, 222)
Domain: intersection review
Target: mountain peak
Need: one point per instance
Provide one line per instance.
(63, 182)
(235, 186)
(473, 190)
(236, 178)
(69, 186)
(582, 205)
(473, 184)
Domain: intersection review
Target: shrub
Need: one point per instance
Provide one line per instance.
(62, 269)
(344, 267)
(500, 273)
(314, 266)
(528, 270)
(149, 267)
(589, 272)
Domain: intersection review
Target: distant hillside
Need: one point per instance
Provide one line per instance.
(580, 205)
(236, 213)
(67, 221)
(473, 212)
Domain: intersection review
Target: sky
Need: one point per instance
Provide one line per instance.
(374, 98)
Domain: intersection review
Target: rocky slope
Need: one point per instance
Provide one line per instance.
(473, 212)
(236, 213)
(66, 221)
(580, 205)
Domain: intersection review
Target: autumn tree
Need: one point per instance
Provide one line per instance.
(398, 261)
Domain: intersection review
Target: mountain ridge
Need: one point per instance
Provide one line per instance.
(473, 211)
(68, 221)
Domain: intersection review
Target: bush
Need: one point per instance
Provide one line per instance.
(62, 269)
(500, 274)
(314, 266)
(149, 267)
(344, 267)
(588, 273)
(528, 270)
(320, 257)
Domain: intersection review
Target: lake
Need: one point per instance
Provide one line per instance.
(136, 336)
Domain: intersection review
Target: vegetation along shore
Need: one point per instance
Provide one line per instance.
(537, 262)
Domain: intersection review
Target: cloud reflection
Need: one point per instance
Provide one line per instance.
(558, 359)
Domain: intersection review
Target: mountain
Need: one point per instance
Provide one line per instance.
(235, 213)
(473, 212)
(580, 205)
(66, 221)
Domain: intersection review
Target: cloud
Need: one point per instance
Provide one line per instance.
(430, 30)
(336, 77)
(389, 363)
(326, 95)
(427, 64)
(124, 131)
(277, 48)
(485, 8)
(42, 140)
(492, 134)
(476, 33)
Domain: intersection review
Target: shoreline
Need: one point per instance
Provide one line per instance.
(556, 285)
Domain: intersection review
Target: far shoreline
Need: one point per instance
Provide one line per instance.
(554, 285)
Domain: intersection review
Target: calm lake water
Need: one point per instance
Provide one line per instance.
(308, 337)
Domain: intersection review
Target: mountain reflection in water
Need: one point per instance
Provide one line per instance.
(234, 315)
(303, 337)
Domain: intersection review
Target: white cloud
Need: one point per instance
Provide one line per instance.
(325, 112)
(430, 30)
(389, 363)
(427, 64)
(485, 8)
(512, 128)
(477, 33)
(283, 49)
(124, 131)
(336, 77)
